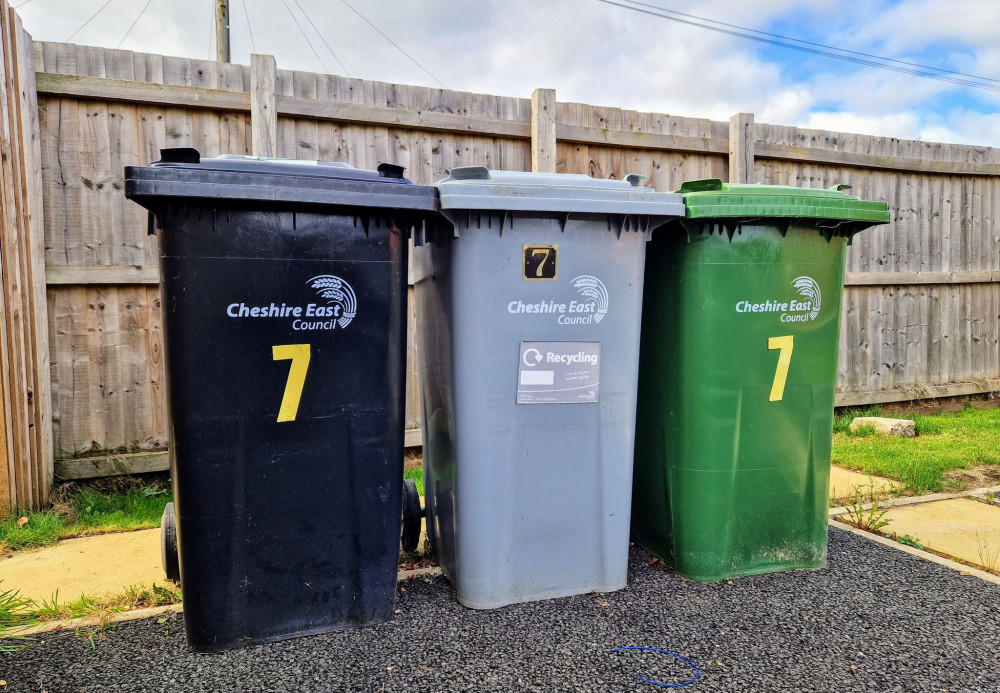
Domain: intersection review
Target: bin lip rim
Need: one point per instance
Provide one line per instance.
(713, 199)
(283, 168)
(145, 184)
(479, 188)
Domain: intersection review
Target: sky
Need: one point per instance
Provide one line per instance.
(594, 52)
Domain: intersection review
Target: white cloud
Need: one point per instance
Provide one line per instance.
(964, 127)
(603, 55)
(914, 23)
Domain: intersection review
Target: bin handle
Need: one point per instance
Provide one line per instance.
(179, 155)
(390, 170)
(470, 173)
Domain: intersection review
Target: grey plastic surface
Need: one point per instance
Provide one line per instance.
(529, 501)
(476, 187)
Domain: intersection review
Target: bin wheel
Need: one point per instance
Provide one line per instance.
(168, 544)
(411, 516)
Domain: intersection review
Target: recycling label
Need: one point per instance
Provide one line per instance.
(559, 372)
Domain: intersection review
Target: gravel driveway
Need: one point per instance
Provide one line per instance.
(876, 620)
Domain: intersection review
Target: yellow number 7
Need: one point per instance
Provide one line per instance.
(786, 344)
(299, 354)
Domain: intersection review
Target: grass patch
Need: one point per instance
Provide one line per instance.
(842, 422)
(18, 613)
(15, 614)
(945, 442)
(117, 505)
(862, 431)
(417, 475)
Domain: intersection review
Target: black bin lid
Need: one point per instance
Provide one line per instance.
(182, 174)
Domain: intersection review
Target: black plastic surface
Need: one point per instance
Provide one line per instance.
(168, 544)
(182, 173)
(411, 516)
(293, 527)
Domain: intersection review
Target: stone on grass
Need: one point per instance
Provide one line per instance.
(886, 427)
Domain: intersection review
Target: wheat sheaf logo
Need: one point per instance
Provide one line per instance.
(809, 290)
(338, 292)
(593, 288)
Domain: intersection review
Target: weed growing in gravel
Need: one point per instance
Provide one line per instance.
(18, 613)
(907, 540)
(52, 609)
(15, 615)
(871, 519)
(138, 597)
(988, 557)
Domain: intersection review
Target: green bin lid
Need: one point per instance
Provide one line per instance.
(712, 199)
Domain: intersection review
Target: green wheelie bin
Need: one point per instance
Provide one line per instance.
(738, 363)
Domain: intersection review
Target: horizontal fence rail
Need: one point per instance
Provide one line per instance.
(921, 308)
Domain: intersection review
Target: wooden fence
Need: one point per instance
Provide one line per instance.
(922, 297)
(25, 422)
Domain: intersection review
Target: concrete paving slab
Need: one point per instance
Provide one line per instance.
(843, 481)
(962, 527)
(101, 565)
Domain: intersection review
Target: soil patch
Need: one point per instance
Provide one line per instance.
(974, 477)
(413, 459)
(949, 405)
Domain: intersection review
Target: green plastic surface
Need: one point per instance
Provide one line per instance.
(728, 482)
(713, 199)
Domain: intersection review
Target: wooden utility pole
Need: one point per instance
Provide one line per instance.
(222, 31)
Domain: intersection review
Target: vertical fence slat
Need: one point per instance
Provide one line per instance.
(741, 148)
(543, 131)
(263, 114)
(34, 236)
(23, 320)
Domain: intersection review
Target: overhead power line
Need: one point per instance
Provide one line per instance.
(382, 34)
(253, 43)
(320, 34)
(818, 45)
(745, 33)
(211, 33)
(26, 2)
(302, 31)
(145, 7)
(92, 17)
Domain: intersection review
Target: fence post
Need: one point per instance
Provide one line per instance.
(543, 131)
(263, 114)
(741, 148)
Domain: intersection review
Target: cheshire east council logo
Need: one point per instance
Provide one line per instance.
(593, 288)
(809, 290)
(338, 293)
